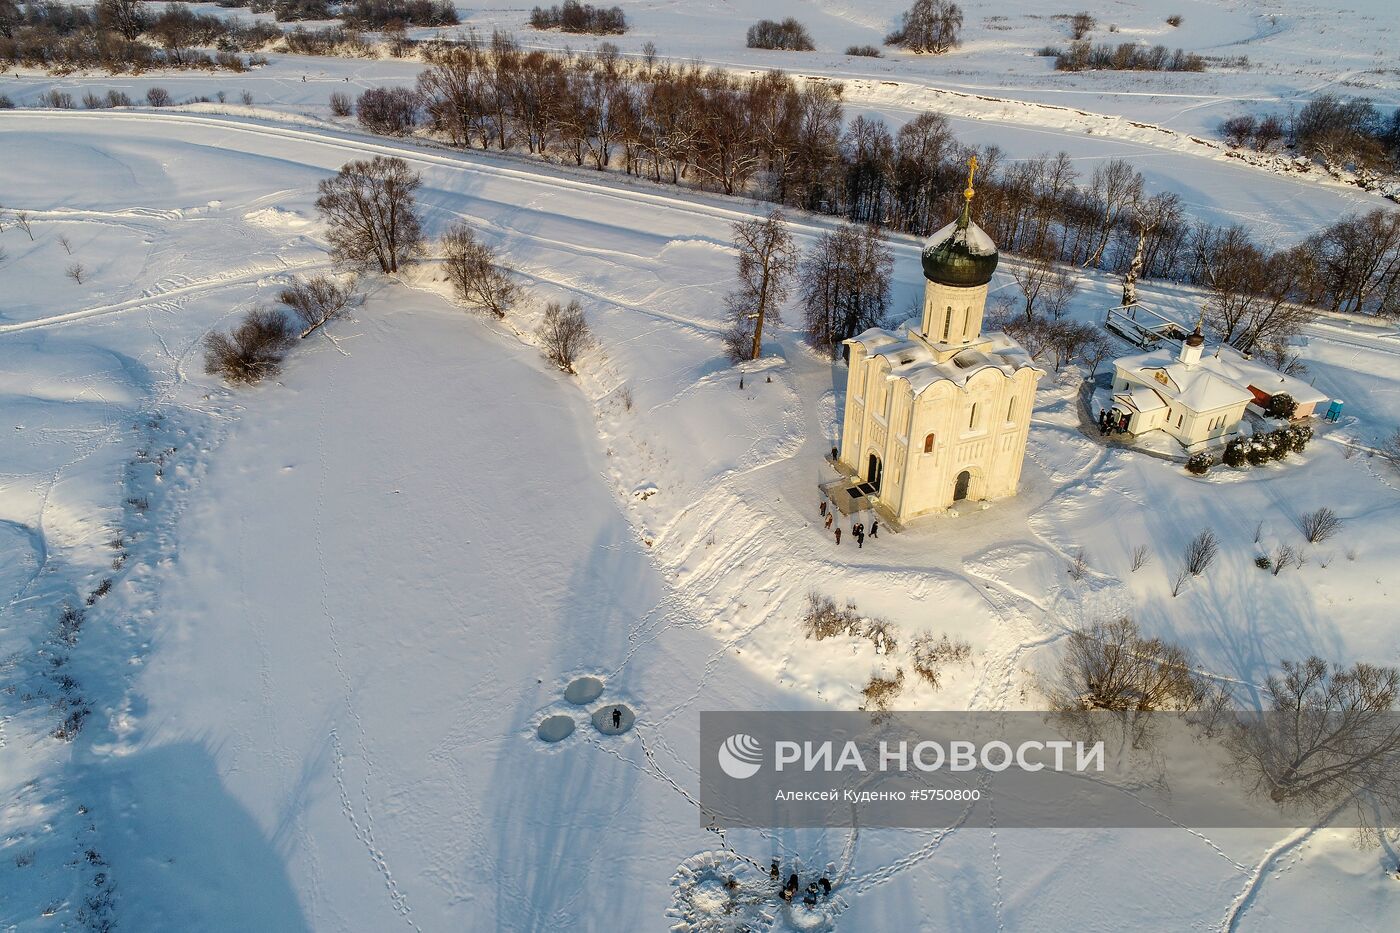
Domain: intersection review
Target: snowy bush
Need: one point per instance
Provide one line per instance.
(863, 51)
(253, 350)
(880, 693)
(1200, 463)
(824, 619)
(158, 97)
(929, 655)
(1281, 405)
(389, 111)
(316, 300)
(1279, 443)
(1320, 525)
(1298, 436)
(789, 36)
(1236, 452)
(1259, 451)
(341, 105)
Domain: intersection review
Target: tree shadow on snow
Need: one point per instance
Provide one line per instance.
(187, 855)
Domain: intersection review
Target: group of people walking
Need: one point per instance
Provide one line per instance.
(828, 512)
(1111, 422)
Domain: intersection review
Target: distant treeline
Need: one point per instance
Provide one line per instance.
(361, 14)
(584, 18)
(773, 137)
(1083, 55)
(123, 36)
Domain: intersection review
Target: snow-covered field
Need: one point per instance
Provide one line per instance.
(349, 597)
(341, 603)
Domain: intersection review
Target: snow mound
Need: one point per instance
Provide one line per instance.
(276, 218)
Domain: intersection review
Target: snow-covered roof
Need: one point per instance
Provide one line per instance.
(1141, 398)
(1265, 378)
(912, 360)
(973, 237)
(1220, 379)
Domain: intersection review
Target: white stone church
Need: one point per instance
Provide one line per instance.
(941, 412)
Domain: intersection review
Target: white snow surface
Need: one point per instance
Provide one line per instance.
(342, 602)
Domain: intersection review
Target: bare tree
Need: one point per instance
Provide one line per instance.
(253, 351)
(316, 300)
(1142, 556)
(1329, 737)
(1046, 287)
(341, 104)
(1284, 555)
(844, 285)
(76, 272)
(371, 215)
(928, 26)
(477, 277)
(1110, 666)
(1201, 552)
(1320, 525)
(564, 334)
(1079, 564)
(767, 260)
(22, 221)
(1390, 447)
(66, 243)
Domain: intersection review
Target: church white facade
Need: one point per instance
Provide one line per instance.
(941, 412)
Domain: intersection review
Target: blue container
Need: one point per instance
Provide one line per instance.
(1334, 410)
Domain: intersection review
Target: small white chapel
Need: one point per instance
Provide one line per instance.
(939, 413)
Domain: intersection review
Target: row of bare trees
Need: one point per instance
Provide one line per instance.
(372, 224)
(787, 141)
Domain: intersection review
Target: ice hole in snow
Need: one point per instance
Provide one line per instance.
(556, 728)
(603, 719)
(583, 690)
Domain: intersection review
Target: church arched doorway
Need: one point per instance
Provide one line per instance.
(876, 470)
(960, 486)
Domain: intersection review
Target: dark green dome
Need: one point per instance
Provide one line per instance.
(961, 255)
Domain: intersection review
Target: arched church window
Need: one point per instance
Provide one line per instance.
(948, 324)
(972, 417)
(967, 322)
(1011, 410)
(928, 444)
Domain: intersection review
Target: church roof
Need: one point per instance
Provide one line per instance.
(913, 361)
